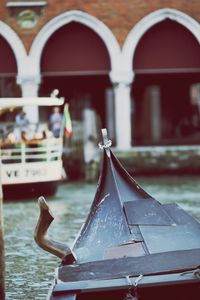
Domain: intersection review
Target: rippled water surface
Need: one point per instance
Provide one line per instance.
(30, 270)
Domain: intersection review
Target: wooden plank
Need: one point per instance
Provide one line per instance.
(130, 249)
(180, 216)
(171, 238)
(87, 286)
(133, 266)
(146, 212)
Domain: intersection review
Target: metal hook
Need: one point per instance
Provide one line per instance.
(106, 142)
(129, 295)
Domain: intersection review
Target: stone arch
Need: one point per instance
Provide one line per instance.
(77, 16)
(147, 22)
(15, 43)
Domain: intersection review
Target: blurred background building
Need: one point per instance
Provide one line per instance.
(136, 64)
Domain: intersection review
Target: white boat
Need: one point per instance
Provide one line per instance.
(34, 165)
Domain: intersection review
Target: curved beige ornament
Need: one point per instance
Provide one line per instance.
(41, 235)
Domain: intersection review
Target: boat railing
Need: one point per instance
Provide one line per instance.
(8, 127)
(32, 151)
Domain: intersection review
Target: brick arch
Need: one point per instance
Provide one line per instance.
(149, 21)
(75, 49)
(169, 47)
(94, 24)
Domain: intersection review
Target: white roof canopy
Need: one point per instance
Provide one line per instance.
(30, 101)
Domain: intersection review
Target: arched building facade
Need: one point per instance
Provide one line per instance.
(139, 69)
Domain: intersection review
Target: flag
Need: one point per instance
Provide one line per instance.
(67, 122)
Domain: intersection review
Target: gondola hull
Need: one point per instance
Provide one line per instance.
(164, 287)
(131, 246)
(153, 276)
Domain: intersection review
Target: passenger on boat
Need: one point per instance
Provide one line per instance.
(22, 123)
(10, 139)
(46, 134)
(24, 136)
(21, 119)
(55, 121)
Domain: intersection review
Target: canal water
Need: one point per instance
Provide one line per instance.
(30, 270)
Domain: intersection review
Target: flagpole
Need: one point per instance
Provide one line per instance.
(66, 124)
(66, 105)
(63, 122)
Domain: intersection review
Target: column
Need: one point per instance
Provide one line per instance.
(155, 113)
(29, 87)
(29, 80)
(123, 115)
(110, 113)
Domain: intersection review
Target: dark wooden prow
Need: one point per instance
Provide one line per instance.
(41, 235)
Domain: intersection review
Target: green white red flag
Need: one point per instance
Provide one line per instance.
(67, 122)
